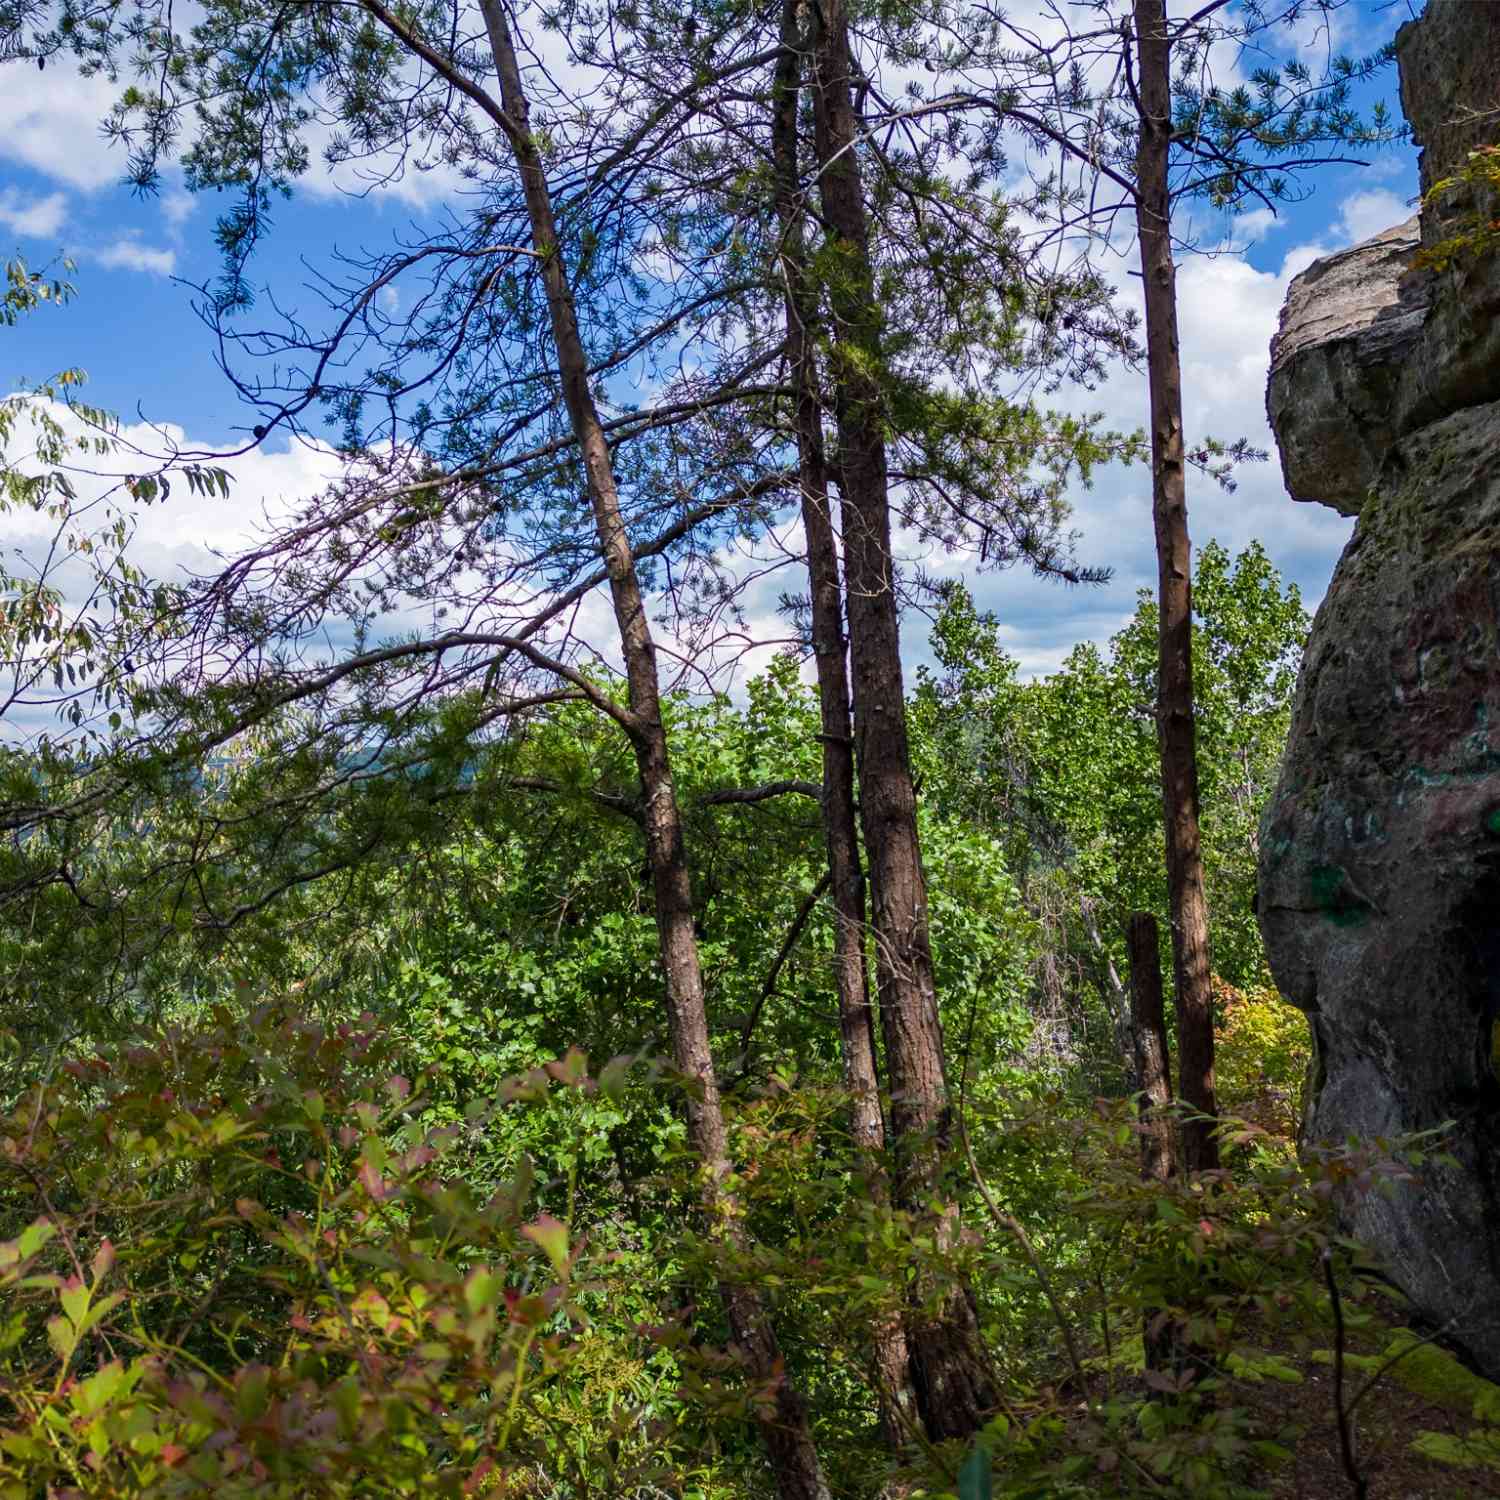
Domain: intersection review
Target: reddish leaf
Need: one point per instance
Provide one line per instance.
(551, 1235)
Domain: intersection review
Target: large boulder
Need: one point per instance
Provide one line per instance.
(1380, 849)
(1380, 865)
(1371, 348)
(1347, 334)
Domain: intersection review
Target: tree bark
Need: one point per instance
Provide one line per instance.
(890, 1357)
(954, 1390)
(785, 1429)
(1148, 1034)
(1192, 976)
(1164, 1348)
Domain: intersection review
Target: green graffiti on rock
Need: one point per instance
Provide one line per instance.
(1334, 897)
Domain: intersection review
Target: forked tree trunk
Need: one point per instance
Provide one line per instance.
(784, 1425)
(1176, 731)
(889, 1354)
(954, 1390)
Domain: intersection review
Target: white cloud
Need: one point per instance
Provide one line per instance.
(1254, 224)
(1316, 36)
(50, 123)
(1300, 257)
(36, 218)
(381, 178)
(1228, 311)
(128, 254)
(419, 180)
(182, 535)
(184, 530)
(1368, 213)
(177, 205)
(1387, 166)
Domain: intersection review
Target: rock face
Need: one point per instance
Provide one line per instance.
(1348, 330)
(1380, 850)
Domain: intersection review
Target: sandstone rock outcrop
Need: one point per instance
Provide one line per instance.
(1348, 331)
(1380, 850)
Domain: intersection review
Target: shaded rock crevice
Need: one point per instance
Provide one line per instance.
(1380, 849)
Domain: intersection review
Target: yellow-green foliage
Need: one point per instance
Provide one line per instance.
(1477, 232)
(254, 1273)
(1479, 1449)
(1436, 1376)
(1262, 1057)
(1426, 1371)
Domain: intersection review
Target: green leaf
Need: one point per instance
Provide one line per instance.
(252, 1392)
(552, 1236)
(613, 1074)
(346, 1402)
(75, 1301)
(61, 1336)
(99, 1311)
(974, 1479)
(34, 1236)
(482, 1289)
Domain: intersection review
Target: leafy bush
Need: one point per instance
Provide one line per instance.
(1261, 1058)
(238, 1268)
(1226, 1274)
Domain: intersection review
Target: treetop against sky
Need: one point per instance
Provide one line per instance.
(150, 357)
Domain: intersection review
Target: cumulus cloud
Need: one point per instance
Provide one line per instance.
(183, 532)
(33, 218)
(177, 205)
(1228, 311)
(1368, 213)
(415, 184)
(417, 178)
(1253, 225)
(182, 535)
(128, 254)
(50, 123)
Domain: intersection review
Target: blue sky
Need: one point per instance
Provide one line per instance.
(133, 329)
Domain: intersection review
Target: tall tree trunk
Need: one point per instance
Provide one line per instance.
(1161, 1335)
(889, 1354)
(784, 1426)
(1176, 730)
(954, 1390)
(1148, 1034)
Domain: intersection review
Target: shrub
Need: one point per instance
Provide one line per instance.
(237, 1267)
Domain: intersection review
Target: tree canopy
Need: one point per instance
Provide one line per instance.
(467, 1033)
